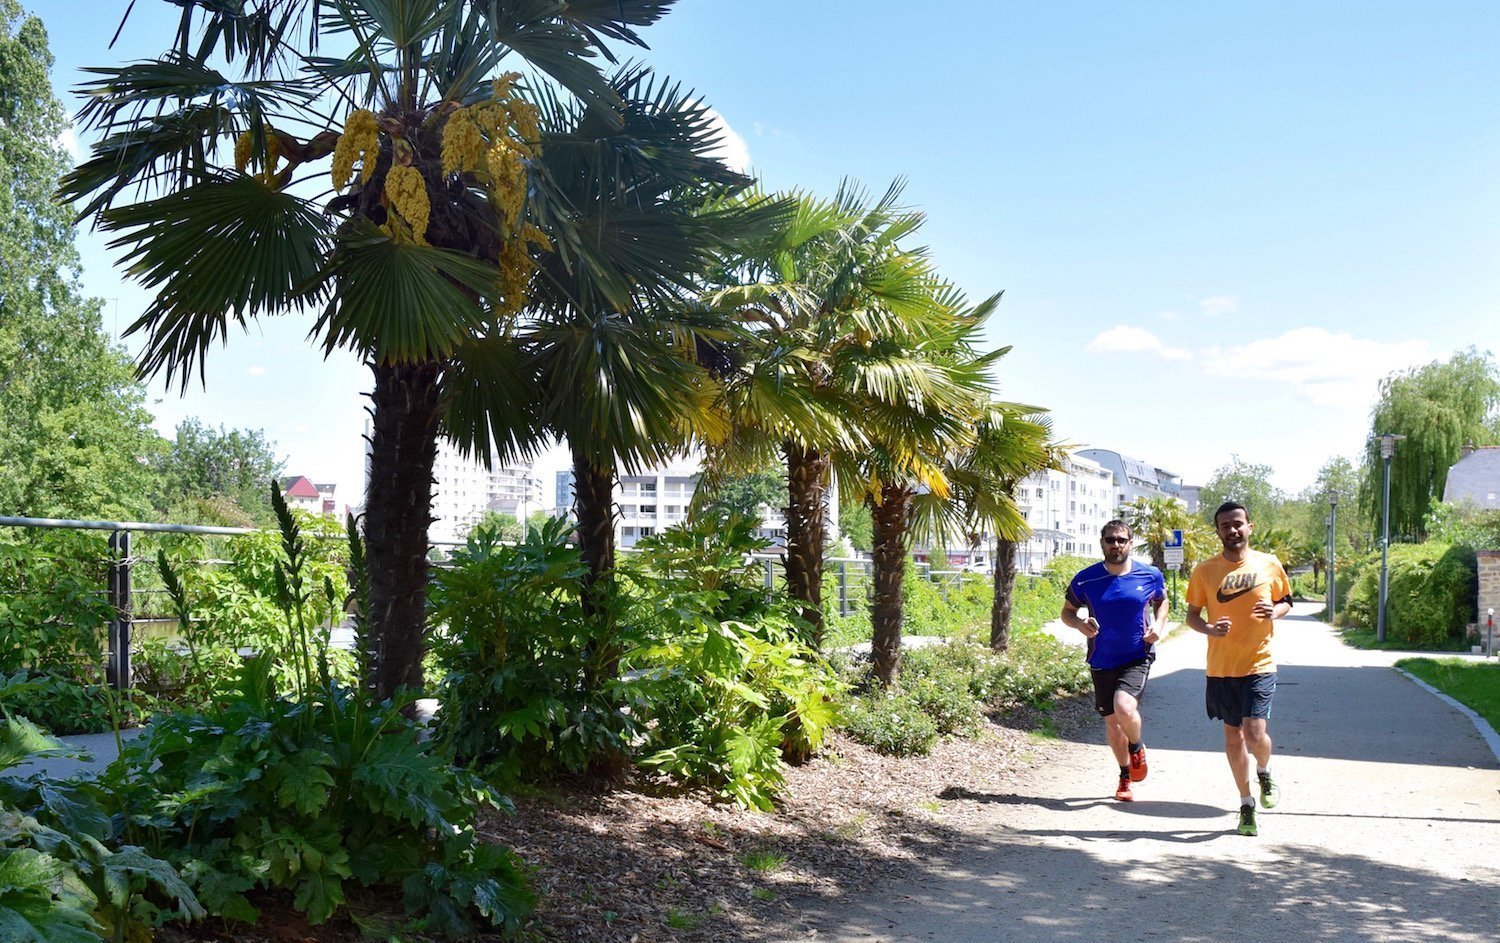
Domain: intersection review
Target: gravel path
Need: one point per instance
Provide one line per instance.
(1388, 829)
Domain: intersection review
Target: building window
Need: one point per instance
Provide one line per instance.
(648, 510)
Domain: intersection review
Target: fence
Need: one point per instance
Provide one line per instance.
(132, 604)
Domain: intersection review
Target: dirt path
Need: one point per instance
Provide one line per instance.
(1389, 827)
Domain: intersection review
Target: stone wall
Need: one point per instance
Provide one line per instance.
(1489, 590)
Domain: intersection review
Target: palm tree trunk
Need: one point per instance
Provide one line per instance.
(594, 504)
(806, 522)
(1005, 590)
(406, 408)
(890, 519)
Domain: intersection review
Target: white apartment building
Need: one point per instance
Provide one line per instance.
(654, 499)
(648, 502)
(1066, 509)
(463, 490)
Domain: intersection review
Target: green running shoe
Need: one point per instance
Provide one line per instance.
(1270, 793)
(1247, 820)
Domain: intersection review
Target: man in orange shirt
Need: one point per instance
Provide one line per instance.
(1243, 592)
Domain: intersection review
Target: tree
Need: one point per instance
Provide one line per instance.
(811, 299)
(1011, 443)
(73, 428)
(1438, 408)
(740, 495)
(856, 525)
(909, 438)
(423, 256)
(203, 463)
(1247, 483)
(1152, 520)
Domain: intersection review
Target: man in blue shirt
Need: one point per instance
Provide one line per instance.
(1127, 612)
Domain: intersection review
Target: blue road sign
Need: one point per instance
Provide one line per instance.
(1176, 540)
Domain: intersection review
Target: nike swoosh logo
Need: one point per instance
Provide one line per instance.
(1233, 596)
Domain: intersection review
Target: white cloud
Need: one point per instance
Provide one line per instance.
(1322, 367)
(1215, 305)
(731, 148)
(68, 141)
(255, 370)
(1125, 339)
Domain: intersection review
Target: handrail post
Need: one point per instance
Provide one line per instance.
(118, 669)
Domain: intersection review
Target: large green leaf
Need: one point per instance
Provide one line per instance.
(402, 303)
(223, 250)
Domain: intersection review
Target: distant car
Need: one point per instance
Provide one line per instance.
(984, 568)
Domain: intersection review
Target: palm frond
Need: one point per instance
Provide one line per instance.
(221, 250)
(397, 302)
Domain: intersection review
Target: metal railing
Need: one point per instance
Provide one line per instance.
(119, 589)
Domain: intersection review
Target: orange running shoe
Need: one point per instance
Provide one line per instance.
(1123, 792)
(1138, 765)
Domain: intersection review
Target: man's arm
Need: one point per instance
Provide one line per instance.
(1070, 618)
(1265, 609)
(1158, 626)
(1195, 621)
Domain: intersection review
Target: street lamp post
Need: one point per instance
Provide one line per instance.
(1333, 539)
(1387, 449)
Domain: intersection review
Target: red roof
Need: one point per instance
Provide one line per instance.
(299, 487)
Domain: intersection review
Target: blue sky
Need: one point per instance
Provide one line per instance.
(1216, 226)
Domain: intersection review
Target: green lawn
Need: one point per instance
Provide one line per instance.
(1472, 683)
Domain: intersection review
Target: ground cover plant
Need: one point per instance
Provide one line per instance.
(1476, 685)
(293, 786)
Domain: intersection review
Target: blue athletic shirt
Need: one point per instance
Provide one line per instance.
(1122, 607)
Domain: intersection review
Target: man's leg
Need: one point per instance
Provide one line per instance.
(1127, 717)
(1257, 736)
(1241, 763)
(1258, 742)
(1119, 743)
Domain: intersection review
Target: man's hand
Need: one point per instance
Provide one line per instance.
(1153, 634)
(1217, 628)
(1264, 609)
(1089, 628)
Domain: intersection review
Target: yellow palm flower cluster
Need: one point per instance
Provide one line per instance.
(244, 155)
(407, 204)
(359, 142)
(516, 266)
(495, 140)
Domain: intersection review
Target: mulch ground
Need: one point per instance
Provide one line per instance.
(649, 864)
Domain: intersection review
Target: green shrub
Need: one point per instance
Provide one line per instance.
(53, 607)
(894, 724)
(728, 699)
(517, 667)
(62, 878)
(64, 707)
(1430, 593)
(313, 790)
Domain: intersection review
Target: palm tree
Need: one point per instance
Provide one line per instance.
(1011, 443)
(1152, 519)
(811, 299)
(420, 257)
(916, 410)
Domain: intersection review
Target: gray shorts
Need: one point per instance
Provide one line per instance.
(1233, 699)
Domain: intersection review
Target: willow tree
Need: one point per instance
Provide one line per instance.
(371, 163)
(1438, 408)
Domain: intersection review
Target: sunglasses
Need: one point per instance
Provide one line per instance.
(1117, 540)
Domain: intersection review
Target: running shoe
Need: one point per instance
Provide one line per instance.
(1270, 793)
(1247, 820)
(1123, 792)
(1138, 765)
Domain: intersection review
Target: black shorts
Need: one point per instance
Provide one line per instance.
(1130, 678)
(1233, 699)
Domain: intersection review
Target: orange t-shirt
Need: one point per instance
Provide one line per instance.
(1223, 588)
